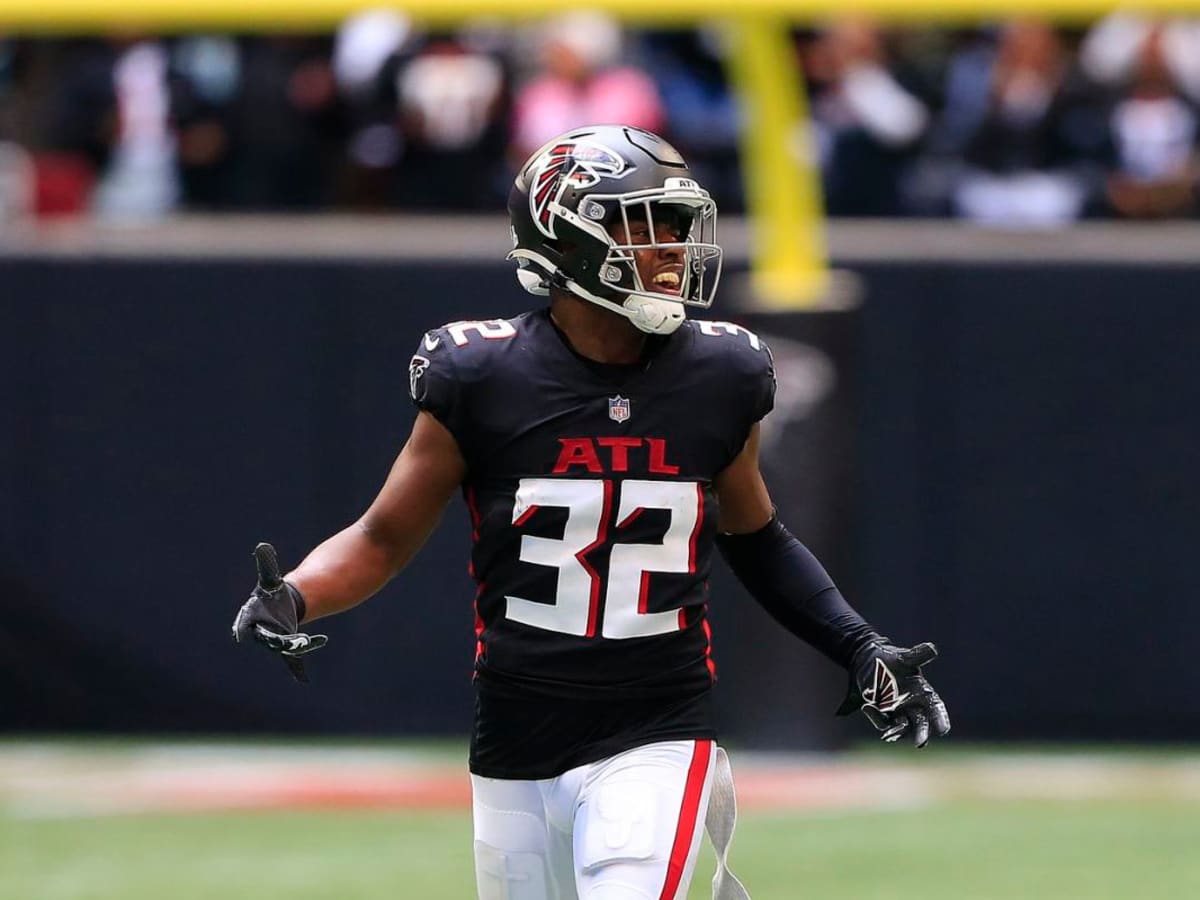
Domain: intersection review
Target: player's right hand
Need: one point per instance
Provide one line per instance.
(272, 615)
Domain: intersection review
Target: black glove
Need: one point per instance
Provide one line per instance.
(887, 685)
(272, 615)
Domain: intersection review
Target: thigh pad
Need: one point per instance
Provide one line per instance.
(619, 824)
(509, 875)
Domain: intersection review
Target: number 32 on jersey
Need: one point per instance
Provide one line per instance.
(588, 502)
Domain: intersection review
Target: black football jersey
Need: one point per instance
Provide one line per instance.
(593, 515)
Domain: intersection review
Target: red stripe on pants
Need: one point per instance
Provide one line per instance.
(693, 790)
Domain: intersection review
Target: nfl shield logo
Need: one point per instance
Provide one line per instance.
(618, 408)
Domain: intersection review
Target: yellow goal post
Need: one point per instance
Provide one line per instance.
(789, 267)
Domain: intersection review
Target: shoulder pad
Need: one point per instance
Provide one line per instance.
(451, 358)
(742, 354)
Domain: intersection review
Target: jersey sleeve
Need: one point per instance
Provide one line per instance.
(739, 377)
(742, 356)
(761, 383)
(434, 383)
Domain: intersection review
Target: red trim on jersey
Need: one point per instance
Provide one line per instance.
(696, 529)
(631, 518)
(478, 622)
(525, 516)
(601, 536)
(708, 660)
(644, 593)
(476, 518)
(685, 831)
(473, 509)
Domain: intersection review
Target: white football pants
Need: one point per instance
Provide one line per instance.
(627, 827)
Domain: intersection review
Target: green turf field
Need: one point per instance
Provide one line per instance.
(1124, 847)
(999, 850)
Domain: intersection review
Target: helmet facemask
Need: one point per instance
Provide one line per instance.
(692, 220)
(615, 281)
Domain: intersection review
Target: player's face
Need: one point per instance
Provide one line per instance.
(660, 268)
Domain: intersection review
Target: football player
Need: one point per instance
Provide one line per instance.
(605, 444)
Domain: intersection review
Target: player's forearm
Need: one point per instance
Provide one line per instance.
(345, 570)
(788, 581)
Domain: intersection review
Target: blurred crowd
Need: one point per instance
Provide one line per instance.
(1018, 124)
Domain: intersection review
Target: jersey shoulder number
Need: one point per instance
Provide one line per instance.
(457, 348)
(461, 333)
(453, 356)
(730, 329)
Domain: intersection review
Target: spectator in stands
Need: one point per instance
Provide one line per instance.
(78, 125)
(580, 79)
(206, 78)
(428, 117)
(1005, 126)
(453, 111)
(1034, 139)
(1155, 69)
(16, 167)
(8, 85)
(369, 51)
(141, 177)
(286, 125)
(1116, 46)
(869, 117)
(702, 115)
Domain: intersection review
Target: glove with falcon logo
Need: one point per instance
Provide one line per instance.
(887, 685)
(272, 615)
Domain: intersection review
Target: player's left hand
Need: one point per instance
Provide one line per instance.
(887, 685)
(272, 615)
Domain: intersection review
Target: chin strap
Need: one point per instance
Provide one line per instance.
(720, 823)
(653, 315)
(649, 314)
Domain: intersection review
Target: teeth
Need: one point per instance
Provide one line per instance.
(666, 278)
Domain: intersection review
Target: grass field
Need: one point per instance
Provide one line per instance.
(85, 824)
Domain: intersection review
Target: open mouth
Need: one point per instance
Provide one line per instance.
(667, 282)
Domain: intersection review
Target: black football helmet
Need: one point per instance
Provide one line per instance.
(582, 188)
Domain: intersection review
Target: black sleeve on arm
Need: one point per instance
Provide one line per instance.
(788, 582)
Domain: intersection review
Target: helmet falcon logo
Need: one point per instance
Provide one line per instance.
(576, 164)
(884, 693)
